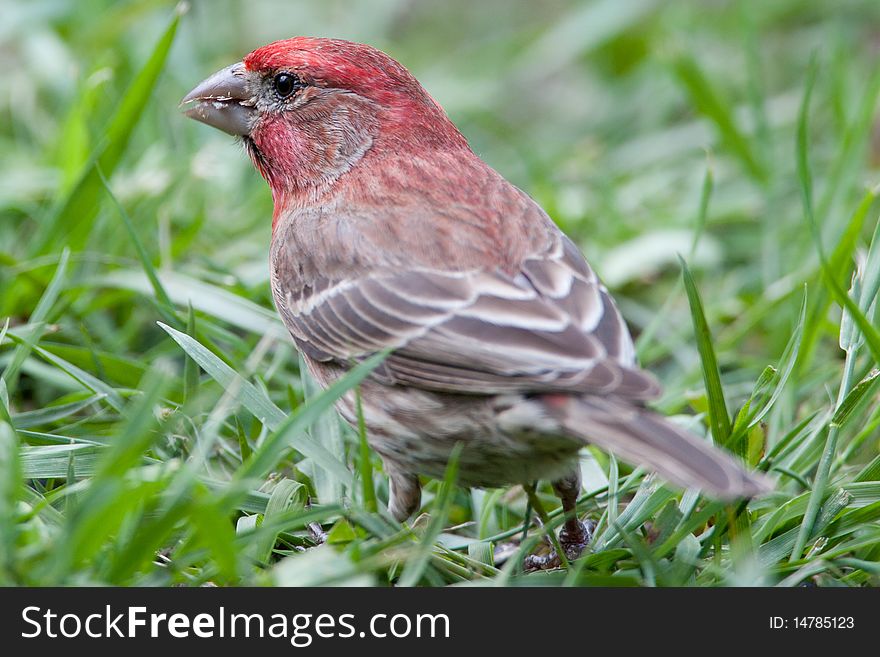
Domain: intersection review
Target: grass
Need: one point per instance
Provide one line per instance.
(154, 425)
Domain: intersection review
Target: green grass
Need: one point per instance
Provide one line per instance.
(154, 426)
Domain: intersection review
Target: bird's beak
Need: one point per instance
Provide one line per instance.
(223, 101)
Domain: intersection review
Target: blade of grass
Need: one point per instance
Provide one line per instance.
(210, 299)
(36, 320)
(290, 432)
(415, 567)
(365, 465)
(750, 417)
(10, 485)
(164, 303)
(719, 418)
(289, 496)
(708, 102)
(325, 432)
(786, 363)
(286, 429)
(46, 461)
(80, 376)
(190, 366)
(212, 529)
(856, 311)
(108, 499)
(51, 414)
(870, 472)
(80, 206)
(662, 315)
(248, 394)
(840, 259)
(862, 392)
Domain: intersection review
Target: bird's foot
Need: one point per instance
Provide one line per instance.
(574, 539)
(316, 532)
(319, 536)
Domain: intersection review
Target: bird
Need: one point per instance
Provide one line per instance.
(390, 234)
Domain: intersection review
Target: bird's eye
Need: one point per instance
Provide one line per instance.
(285, 84)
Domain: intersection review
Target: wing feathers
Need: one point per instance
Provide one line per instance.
(551, 326)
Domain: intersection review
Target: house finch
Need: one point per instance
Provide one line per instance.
(389, 232)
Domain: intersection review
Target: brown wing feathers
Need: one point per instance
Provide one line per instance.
(550, 327)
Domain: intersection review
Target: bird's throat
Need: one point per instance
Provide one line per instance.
(303, 161)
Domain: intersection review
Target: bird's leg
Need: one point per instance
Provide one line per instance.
(558, 556)
(404, 493)
(319, 536)
(575, 535)
(527, 521)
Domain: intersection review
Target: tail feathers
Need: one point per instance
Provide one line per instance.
(644, 438)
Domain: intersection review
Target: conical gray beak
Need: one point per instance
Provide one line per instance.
(223, 101)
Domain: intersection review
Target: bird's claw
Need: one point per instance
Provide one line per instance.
(319, 536)
(574, 540)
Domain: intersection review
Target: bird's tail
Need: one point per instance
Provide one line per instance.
(642, 437)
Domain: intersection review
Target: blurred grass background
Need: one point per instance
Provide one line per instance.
(138, 453)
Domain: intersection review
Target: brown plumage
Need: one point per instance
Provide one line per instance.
(390, 232)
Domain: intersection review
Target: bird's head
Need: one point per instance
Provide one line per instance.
(309, 110)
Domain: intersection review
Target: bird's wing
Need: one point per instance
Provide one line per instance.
(550, 327)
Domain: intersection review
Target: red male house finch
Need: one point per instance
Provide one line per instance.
(388, 231)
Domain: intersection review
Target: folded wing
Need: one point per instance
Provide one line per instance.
(551, 326)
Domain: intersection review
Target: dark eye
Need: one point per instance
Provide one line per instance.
(285, 84)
